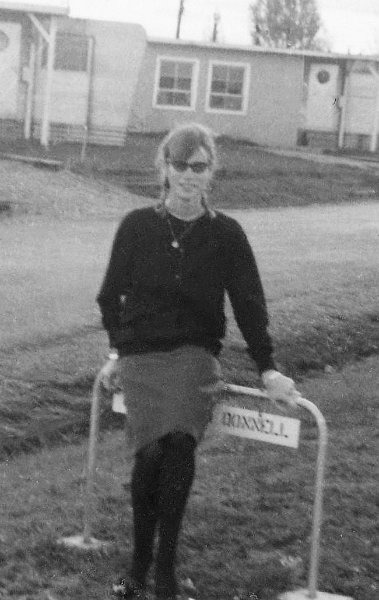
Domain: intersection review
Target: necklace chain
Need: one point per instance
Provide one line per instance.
(177, 239)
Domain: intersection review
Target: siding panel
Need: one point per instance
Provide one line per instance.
(361, 103)
(274, 98)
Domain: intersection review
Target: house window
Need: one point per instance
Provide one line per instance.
(228, 85)
(71, 53)
(175, 83)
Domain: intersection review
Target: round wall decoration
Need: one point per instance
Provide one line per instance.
(4, 40)
(323, 76)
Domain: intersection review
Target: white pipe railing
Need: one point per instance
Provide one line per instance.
(86, 541)
(319, 483)
(93, 435)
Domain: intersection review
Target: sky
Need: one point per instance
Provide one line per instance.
(349, 25)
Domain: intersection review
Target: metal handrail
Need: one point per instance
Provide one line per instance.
(93, 435)
(87, 541)
(319, 482)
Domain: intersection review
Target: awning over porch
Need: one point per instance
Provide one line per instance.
(39, 13)
(55, 7)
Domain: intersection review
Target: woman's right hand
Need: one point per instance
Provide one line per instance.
(109, 375)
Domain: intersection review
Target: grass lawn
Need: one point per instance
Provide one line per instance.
(250, 506)
(246, 177)
(319, 268)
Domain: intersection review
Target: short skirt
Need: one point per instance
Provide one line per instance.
(169, 391)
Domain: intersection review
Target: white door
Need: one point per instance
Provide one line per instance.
(10, 39)
(322, 110)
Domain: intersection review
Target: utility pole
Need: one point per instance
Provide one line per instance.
(180, 14)
(257, 36)
(216, 20)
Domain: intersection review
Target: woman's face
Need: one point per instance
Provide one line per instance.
(185, 183)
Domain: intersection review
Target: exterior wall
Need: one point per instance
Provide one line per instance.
(329, 140)
(17, 116)
(115, 94)
(361, 103)
(274, 95)
(118, 54)
(99, 100)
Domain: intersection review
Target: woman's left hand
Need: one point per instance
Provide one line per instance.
(280, 388)
(109, 375)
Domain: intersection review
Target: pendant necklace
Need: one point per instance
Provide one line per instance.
(176, 239)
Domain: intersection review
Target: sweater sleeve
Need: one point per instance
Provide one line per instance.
(246, 294)
(115, 280)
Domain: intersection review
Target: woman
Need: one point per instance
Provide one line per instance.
(162, 303)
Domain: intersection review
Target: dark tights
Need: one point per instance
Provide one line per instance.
(161, 482)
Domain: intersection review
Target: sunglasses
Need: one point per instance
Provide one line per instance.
(196, 167)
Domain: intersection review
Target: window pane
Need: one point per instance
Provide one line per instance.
(218, 86)
(167, 68)
(236, 74)
(181, 99)
(217, 102)
(166, 82)
(165, 98)
(183, 84)
(233, 103)
(185, 70)
(219, 72)
(234, 88)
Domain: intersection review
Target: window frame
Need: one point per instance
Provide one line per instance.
(194, 82)
(245, 87)
(68, 34)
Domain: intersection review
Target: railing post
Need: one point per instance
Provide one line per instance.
(86, 541)
(318, 500)
(312, 592)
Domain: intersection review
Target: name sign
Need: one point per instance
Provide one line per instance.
(118, 403)
(255, 425)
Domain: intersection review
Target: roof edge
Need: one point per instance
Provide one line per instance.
(260, 49)
(45, 8)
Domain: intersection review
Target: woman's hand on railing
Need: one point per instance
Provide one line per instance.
(109, 375)
(280, 388)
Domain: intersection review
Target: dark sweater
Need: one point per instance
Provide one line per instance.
(158, 297)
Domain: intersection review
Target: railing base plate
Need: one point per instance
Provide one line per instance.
(77, 541)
